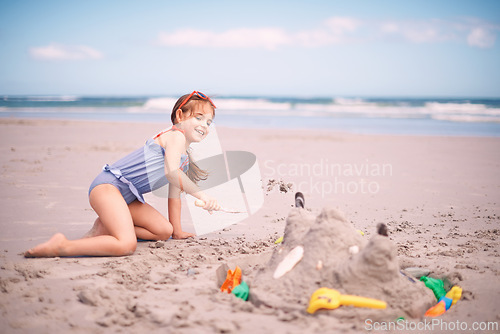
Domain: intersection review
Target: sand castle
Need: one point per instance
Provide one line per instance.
(330, 259)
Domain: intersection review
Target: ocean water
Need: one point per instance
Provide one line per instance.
(415, 116)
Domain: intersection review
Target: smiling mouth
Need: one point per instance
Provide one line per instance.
(200, 132)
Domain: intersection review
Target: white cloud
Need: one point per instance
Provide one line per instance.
(338, 31)
(268, 38)
(423, 35)
(389, 27)
(316, 38)
(341, 25)
(56, 51)
(425, 31)
(477, 33)
(481, 37)
(333, 31)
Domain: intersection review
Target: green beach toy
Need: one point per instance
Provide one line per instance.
(435, 284)
(241, 291)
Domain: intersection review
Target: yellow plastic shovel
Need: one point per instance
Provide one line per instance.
(331, 299)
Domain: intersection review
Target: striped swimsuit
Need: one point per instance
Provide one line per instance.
(140, 172)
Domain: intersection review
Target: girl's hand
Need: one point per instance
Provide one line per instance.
(182, 235)
(210, 204)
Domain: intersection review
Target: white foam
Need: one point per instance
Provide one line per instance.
(160, 103)
(251, 104)
(455, 107)
(352, 102)
(364, 109)
(63, 98)
(222, 104)
(357, 107)
(467, 118)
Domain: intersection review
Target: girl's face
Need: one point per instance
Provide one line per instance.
(196, 126)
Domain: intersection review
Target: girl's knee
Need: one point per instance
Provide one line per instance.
(126, 247)
(166, 232)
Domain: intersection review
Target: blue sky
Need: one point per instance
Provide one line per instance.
(247, 48)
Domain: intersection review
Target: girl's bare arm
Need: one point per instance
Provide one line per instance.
(176, 145)
(174, 213)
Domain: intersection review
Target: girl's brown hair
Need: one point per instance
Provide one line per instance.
(195, 173)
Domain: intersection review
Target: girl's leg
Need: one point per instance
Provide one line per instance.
(149, 223)
(115, 216)
(97, 229)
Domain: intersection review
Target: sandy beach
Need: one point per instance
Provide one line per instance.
(438, 196)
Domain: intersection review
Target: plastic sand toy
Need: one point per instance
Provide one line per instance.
(445, 302)
(241, 291)
(233, 279)
(454, 294)
(435, 284)
(325, 298)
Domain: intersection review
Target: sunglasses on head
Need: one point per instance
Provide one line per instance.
(200, 95)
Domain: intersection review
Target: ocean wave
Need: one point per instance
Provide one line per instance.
(44, 98)
(343, 107)
(252, 104)
(467, 118)
(461, 108)
(372, 109)
(456, 110)
(341, 101)
(159, 103)
(167, 103)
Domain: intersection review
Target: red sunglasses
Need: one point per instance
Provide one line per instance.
(201, 95)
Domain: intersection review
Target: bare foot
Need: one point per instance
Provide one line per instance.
(50, 248)
(96, 230)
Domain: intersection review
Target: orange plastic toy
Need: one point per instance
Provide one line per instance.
(233, 279)
(436, 310)
(445, 302)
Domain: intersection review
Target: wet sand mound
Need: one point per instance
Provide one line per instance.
(331, 261)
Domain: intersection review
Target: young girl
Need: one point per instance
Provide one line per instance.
(116, 193)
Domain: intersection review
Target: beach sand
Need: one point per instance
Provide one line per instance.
(438, 196)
